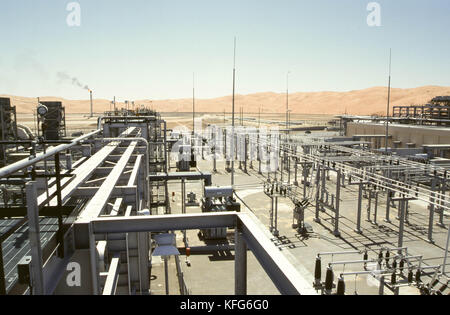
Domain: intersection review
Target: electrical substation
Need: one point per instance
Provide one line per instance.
(357, 205)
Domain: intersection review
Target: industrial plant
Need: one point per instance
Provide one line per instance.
(248, 206)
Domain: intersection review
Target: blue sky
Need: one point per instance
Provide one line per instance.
(149, 49)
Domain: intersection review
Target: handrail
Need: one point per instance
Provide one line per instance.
(10, 169)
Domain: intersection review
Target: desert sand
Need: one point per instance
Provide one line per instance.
(359, 102)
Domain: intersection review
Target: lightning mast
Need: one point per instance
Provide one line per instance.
(388, 103)
(193, 103)
(232, 129)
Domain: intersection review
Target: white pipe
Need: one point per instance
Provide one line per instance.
(147, 161)
(363, 272)
(27, 131)
(349, 262)
(339, 253)
(10, 169)
(407, 258)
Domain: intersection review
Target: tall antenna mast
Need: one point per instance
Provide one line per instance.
(36, 120)
(287, 102)
(259, 118)
(388, 102)
(232, 123)
(193, 103)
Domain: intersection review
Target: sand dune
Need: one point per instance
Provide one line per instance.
(360, 102)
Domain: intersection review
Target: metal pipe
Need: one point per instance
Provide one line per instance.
(37, 276)
(408, 258)
(10, 169)
(363, 272)
(147, 161)
(352, 262)
(339, 253)
(430, 267)
(390, 249)
(208, 249)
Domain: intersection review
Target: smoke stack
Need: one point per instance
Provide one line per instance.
(92, 106)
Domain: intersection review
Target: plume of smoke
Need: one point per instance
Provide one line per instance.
(65, 77)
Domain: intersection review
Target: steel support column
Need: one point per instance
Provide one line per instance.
(401, 227)
(37, 276)
(338, 201)
(358, 218)
(93, 260)
(388, 206)
(240, 263)
(282, 273)
(295, 172)
(431, 215)
(318, 188)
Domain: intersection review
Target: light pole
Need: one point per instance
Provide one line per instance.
(193, 103)
(259, 117)
(289, 119)
(388, 103)
(232, 129)
(287, 102)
